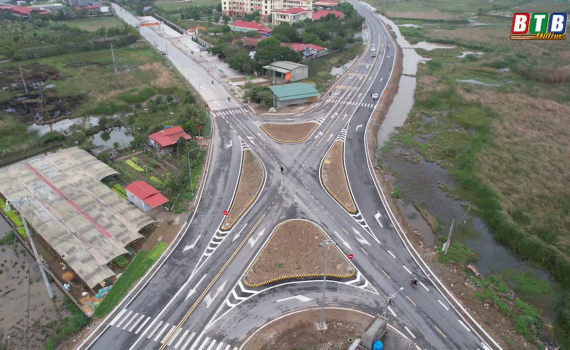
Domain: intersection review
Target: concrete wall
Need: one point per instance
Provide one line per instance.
(291, 102)
(138, 202)
(300, 73)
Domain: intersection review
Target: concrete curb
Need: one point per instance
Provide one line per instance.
(298, 141)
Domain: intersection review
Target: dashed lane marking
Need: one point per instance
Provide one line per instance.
(393, 256)
(407, 269)
(392, 311)
(442, 304)
(409, 331)
(411, 301)
(423, 285)
(440, 332)
(463, 324)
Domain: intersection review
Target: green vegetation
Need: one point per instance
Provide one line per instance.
(136, 269)
(8, 238)
(121, 261)
(320, 69)
(92, 24)
(12, 214)
(397, 193)
(134, 166)
(59, 330)
(456, 253)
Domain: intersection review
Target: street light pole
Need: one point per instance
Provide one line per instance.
(190, 170)
(16, 204)
(327, 242)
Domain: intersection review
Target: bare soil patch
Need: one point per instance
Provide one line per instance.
(422, 15)
(249, 184)
(298, 331)
(293, 252)
(334, 177)
(289, 133)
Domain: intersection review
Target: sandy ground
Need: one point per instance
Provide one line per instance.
(250, 181)
(334, 176)
(298, 331)
(25, 305)
(294, 250)
(289, 132)
(494, 323)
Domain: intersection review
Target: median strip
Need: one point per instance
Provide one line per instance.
(334, 177)
(289, 132)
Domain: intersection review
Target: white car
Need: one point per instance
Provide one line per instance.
(373, 49)
(375, 96)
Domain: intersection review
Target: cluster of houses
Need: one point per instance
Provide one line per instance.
(90, 6)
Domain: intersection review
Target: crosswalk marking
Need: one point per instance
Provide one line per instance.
(196, 342)
(212, 344)
(161, 331)
(142, 325)
(188, 341)
(227, 347)
(124, 319)
(204, 343)
(155, 329)
(174, 336)
(137, 322)
(131, 320)
(220, 345)
(118, 316)
(181, 338)
(168, 334)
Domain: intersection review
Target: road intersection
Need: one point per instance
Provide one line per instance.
(196, 299)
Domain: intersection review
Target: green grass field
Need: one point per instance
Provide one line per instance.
(94, 23)
(170, 5)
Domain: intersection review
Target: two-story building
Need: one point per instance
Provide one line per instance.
(290, 16)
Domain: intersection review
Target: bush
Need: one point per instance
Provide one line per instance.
(134, 166)
(156, 181)
(121, 261)
(8, 238)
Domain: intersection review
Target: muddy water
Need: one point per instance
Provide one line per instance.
(110, 136)
(398, 112)
(4, 226)
(335, 71)
(64, 125)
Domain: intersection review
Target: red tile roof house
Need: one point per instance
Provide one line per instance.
(322, 13)
(165, 139)
(243, 26)
(144, 196)
(292, 15)
(308, 50)
(20, 11)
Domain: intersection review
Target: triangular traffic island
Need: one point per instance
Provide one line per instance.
(293, 253)
(249, 184)
(334, 177)
(289, 132)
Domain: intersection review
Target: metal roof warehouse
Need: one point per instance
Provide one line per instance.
(294, 93)
(83, 220)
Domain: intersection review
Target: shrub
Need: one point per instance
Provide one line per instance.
(12, 214)
(134, 166)
(156, 181)
(121, 261)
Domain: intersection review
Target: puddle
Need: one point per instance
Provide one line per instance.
(398, 112)
(110, 136)
(65, 124)
(431, 46)
(340, 70)
(477, 82)
(409, 25)
(465, 53)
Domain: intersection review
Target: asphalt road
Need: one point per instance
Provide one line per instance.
(196, 301)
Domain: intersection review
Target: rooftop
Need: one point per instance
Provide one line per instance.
(301, 47)
(323, 13)
(83, 220)
(169, 137)
(251, 25)
(294, 10)
(326, 3)
(284, 66)
(147, 193)
(294, 91)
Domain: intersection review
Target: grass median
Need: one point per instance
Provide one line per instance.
(138, 267)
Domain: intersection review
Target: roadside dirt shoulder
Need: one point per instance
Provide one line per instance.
(293, 252)
(334, 177)
(249, 185)
(289, 133)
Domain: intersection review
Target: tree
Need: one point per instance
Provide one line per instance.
(241, 61)
(312, 38)
(251, 16)
(225, 29)
(269, 54)
(269, 42)
(217, 18)
(226, 19)
(103, 122)
(219, 7)
(285, 33)
(337, 43)
(252, 34)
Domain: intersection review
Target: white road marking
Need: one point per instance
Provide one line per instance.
(136, 322)
(204, 343)
(319, 134)
(426, 288)
(195, 343)
(142, 325)
(227, 347)
(220, 346)
(131, 320)
(329, 137)
(169, 334)
(188, 341)
(212, 344)
(407, 269)
(251, 140)
(359, 237)
(345, 243)
(161, 331)
(393, 256)
(190, 246)
(378, 216)
(124, 319)
(301, 298)
(358, 126)
(155, 329)
(253, 241)
(392, 311)
(229, 144)
(261, 137)
(193, 290)
(181, 338)
(345, 116)
(463, 324)
(412, 334)
(442, 304)
(239, 233)
(118, 316)
(208, 299)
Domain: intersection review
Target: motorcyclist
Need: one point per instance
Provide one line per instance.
(414, 282)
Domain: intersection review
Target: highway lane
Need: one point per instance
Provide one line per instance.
(296, 195)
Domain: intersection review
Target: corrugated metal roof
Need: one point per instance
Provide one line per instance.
(286, 65)
(294, 91)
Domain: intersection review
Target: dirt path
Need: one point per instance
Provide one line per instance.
(334, 177)
(298, 331)
(289, 133)
(293, 252)
(249, 185)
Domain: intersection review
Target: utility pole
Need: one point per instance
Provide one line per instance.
(113, 54)
(448, 243)
(23, 81)
(16, 203)
(322, 326)
(42, 98)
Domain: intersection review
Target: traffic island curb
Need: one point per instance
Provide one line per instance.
(293, 129)
(324, 164)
